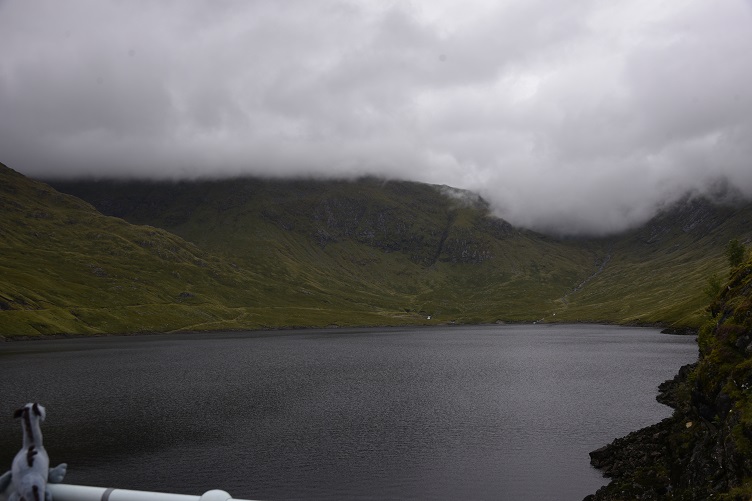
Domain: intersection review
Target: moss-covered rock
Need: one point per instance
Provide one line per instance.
(704, 451)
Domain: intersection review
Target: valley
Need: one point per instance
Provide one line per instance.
(114, 256)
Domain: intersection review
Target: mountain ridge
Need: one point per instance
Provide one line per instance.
(433, 228)
(310, 253)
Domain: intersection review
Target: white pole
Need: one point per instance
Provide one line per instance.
(65, 492)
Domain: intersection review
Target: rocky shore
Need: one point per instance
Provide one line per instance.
(704, 450)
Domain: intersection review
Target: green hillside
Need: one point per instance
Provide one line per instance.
(66, 268)
(659, 273)
(409, 247)
(400, 249)
(253, 253)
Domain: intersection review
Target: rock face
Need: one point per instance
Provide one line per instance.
(703, 451)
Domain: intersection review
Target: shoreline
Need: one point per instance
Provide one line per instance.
(684, 331)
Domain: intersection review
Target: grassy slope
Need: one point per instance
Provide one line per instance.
(405, 248)
(66, 268)
(659, 273)
(401, 248)
(249, 253)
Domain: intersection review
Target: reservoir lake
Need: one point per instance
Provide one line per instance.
(460, 412)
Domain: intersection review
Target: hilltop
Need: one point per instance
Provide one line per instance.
(259, 253)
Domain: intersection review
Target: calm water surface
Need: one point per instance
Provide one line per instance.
(491, 412)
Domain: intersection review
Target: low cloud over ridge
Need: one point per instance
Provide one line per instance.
(583, 118)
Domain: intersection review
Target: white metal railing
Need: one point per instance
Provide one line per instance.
(66, 492)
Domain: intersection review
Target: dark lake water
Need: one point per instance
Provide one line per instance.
(487, 412)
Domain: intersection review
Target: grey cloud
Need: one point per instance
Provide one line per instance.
(587, 117)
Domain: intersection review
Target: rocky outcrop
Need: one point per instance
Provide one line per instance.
(463, 246)
(697, 216)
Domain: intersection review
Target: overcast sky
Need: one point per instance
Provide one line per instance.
(575, 115)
